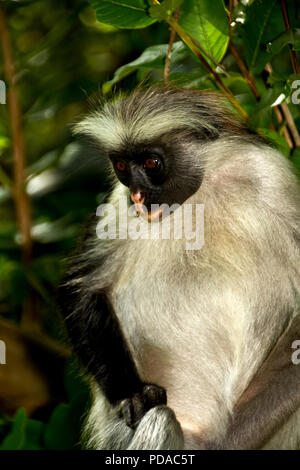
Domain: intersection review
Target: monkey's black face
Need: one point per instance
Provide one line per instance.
(156, 175)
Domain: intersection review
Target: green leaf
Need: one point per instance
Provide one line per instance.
(65, 424)
(4, 142)
(164, 9)
(122, 13)
(292, 36)
(296, 161)
(207, 22)
(262, 116)
(63, 430)
(25, 434)
(15, 440)
(276, 139)
(263, 23)
(192, 80)
(34, 435)
(241, 90)
(59, 433)
(151, 58)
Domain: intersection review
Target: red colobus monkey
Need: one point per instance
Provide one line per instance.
(189, 349)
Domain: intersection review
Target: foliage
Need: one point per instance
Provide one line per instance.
(62, 429)
(257, 32)
(61, 55)
(67, 51)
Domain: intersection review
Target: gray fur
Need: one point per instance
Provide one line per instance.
(211, 317)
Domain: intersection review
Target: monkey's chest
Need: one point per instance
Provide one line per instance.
(177, 331)
(154, 309)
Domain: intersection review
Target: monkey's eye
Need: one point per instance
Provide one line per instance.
(120, 165)
(152, 164)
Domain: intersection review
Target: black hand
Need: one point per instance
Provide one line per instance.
(134, 408)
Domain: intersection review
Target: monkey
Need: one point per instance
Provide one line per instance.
(188, 348)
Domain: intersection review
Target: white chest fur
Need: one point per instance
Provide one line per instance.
(180, 333)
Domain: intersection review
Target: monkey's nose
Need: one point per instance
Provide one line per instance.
(138, 198)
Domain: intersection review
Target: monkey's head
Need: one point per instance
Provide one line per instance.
(155, 141)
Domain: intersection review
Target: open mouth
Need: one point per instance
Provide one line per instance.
(139, 199)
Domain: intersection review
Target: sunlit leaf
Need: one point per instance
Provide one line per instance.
(164, 9)
(276, 139)
(122, 13)
(207, 22)
(151, 58)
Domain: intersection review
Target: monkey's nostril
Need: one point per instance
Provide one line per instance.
(138, 198)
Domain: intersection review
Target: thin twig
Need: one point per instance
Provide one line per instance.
(291, 123)
(250, 80)
(22, 203)
(239, 61)
(287, 25)
(186, 38)
(18, 145)
(170, 46)
(248, 77)
(286, 133)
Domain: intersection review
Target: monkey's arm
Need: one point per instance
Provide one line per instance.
(100, 345)
(270, 399)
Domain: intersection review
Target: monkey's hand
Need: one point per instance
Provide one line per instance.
(134, 408)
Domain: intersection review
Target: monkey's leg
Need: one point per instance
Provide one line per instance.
(270, 400)
(158, 430)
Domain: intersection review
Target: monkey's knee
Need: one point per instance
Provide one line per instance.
(158, 430)
(105, 428)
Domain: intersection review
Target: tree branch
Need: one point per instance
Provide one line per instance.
(239, 61)
(244, 70)
(250, 80)
(217, 64)
(18, 145)
(291, 123)
(188, 40)
(171, 42)
(22, 203)
(286, 133)
(287, 25)
(283, 109)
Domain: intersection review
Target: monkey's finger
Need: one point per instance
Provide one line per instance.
(154, 395)
(133, 409)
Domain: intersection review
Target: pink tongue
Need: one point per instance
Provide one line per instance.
(139, 198)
